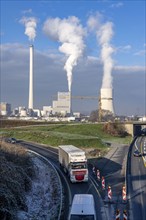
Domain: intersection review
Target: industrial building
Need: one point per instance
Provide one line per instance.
(60, 107)
(22, 111)
(63, 104)
(47, 110)
(5, 109)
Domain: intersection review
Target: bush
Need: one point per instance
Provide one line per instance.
(16, 171)
(115, 129)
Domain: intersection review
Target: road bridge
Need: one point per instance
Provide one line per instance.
(134, 127)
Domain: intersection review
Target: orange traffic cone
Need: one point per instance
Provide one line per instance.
(125, 215)
(109, 193)
(93, 169)
(103, 182)
(117, 214)
(124, 196)
(98, 175)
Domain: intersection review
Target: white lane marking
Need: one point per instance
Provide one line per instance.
(144, 160)
(136, 144)
(143, 157)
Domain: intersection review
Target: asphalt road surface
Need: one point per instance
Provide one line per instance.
(90, 187)
(137, 181)
(112, 167)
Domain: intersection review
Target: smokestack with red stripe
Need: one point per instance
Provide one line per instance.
(30, 103)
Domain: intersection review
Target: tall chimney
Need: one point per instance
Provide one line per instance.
(70, 97)
(106, 99)
(30, 104)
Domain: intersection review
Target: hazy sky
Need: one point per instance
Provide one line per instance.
(74, 43)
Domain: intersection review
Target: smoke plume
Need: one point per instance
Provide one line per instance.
(30, 26)
(104, 34)
(70, 33)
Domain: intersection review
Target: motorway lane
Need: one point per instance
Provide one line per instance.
(80, 188)
(114, 172)
(50, 152)
(138, 183)
(76, 188)
(113, 169)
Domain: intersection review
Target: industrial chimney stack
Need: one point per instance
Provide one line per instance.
(30, 104)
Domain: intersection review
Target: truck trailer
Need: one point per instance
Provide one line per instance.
(74, 162)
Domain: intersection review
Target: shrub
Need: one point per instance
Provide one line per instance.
(115, 129)
(16, 171)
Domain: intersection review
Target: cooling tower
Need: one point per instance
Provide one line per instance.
(106, 96)
(30, 103)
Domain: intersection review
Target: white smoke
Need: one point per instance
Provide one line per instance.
(104, 34)
(70, 33)
(30, 26)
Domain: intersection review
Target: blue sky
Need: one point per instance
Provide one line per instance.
(129, 41)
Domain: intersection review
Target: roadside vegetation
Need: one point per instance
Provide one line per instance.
(16, 173)
(5, 123)
(16, 168)
(80, 135)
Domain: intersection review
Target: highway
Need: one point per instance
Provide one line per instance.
(137, 181)
(70, 188)
(112, 168)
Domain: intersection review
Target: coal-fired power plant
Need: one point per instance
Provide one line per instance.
(30, 103)
(106, 99)
(64, 101)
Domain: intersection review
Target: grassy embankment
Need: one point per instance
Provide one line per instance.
(16, 174)
(80, 135)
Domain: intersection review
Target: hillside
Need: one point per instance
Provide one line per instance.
(16, 174)
(80, 135)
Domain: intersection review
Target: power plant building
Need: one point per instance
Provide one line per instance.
(63, 104)
(47, 110)
(5, 108)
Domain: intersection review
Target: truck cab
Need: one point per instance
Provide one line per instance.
(74, 162)
(78, 171)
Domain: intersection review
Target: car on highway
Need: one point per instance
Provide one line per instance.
(12, 140)
(137, 153)
(144, 148)
(83, 207)
(143, 132)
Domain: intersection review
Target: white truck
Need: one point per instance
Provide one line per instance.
(74, 162)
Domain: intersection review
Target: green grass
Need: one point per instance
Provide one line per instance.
(80, 135)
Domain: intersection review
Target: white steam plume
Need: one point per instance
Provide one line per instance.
(104, 33)
(30, 26)
(70, 33)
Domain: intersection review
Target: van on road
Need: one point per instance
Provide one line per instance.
(83, 207)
